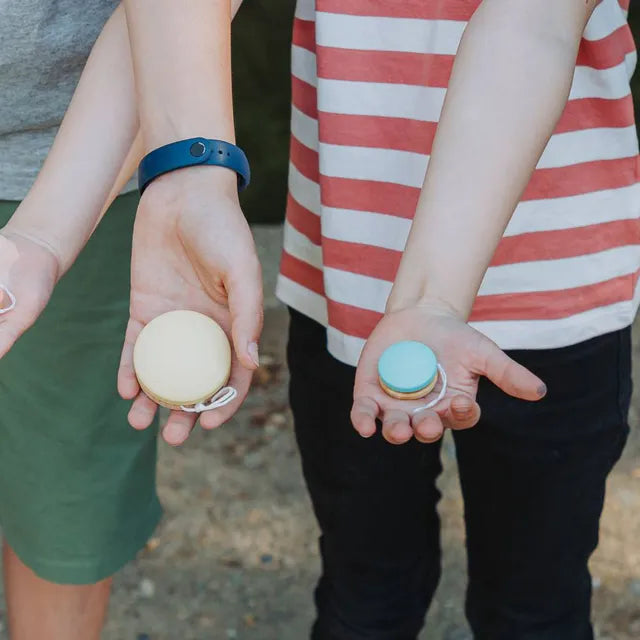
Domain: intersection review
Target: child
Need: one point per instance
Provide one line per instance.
(369, 79)
(77, 487)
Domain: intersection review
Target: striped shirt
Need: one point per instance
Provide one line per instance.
(368, 82)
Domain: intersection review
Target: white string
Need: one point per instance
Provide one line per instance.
(220, 399)
(12, 300)
(443, 390)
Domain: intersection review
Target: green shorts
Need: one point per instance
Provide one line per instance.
(77, 483)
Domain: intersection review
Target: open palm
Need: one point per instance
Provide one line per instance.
(193, 249)
(29, 268)
(465, 355)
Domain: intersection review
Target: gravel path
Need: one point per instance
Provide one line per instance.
(236, 554)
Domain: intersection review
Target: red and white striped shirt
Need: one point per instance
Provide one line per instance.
(369, 80)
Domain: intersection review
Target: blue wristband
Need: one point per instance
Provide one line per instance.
(192, 152)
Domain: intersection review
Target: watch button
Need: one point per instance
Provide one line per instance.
(197, 149)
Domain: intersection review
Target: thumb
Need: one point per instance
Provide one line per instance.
(128, 386)
(244, 289)
(510, 376)
(17, 316)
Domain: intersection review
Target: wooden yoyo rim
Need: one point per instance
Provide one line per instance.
(182, 359)
(416, 395)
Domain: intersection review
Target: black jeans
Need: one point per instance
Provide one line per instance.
(533, 479)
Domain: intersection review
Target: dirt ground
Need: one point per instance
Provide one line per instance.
(236, 554)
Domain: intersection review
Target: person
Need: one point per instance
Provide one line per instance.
(532, 473)
(502, 217)
(77, 488)
(525, 224)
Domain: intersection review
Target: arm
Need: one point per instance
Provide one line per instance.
(509, 85)
(211, 118)
(182, 62)
(192, 247)
(88, 152)
(96, 151)
(57, 217)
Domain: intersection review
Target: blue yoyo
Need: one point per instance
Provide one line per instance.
(408, 370)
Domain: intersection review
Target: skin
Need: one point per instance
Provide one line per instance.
(464, 220)
(44, 236)
(222, 279)
(447, 255)
(510, 49)
(192, 246)
(47, 611)
(8, 254)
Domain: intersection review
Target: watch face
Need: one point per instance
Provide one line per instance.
(197, 149)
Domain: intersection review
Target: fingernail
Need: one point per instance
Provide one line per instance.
(465, 412)
(398, 433)
(253, 353)
(542, 390)
(174, 433)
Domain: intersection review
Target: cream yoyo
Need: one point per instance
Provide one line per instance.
(182, 360)
(7, 300)
(409, 370)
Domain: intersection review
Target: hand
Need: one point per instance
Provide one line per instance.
(29, 268)
(193, 249)
(465, 355)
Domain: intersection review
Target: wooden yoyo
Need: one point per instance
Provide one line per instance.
(182, 360)
(7, 300)
(409, 370)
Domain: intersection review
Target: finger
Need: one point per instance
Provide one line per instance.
(241, 381)
(463, 412)
(427, 426)
(245, 304)
(128, 386)
(364, 413)
(396, 427)
(510, 376)
(178, 427)
(142, 412)
(215, 418)
(367, 369)
(15, 322)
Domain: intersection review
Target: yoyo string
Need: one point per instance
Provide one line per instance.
(12, 300)
(220, 399)
(443, 390)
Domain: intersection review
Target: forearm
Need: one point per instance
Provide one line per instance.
(181, 53)
(65, 203)
(509, 86)
(137, 150)
(95, 153)
(129, 166)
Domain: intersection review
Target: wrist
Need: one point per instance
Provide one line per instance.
(421, 295)
(196, 152)
(221, 181)
(160, 129)
(62, 256)
(427, 277)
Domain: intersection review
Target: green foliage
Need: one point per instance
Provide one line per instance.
(262, 94)
(261, 50)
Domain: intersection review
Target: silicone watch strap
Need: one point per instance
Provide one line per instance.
(192, 152)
